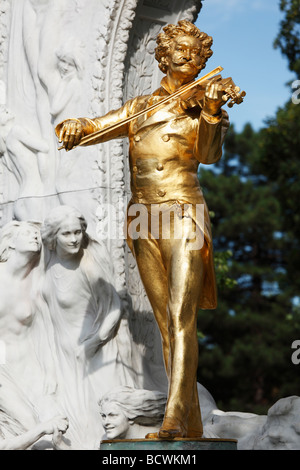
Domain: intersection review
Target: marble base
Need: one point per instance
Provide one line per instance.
(177, 444)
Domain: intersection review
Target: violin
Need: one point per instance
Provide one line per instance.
(232, 92)
(227, 90)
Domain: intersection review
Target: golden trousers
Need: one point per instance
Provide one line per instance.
(172, 275)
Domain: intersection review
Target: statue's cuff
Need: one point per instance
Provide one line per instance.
(88, 125)
(212, 118)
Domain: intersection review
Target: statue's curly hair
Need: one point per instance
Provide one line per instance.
(171, 31)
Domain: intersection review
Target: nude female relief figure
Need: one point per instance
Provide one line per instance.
(85, 312)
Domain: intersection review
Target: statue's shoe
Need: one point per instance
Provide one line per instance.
(171, 428)
(152, 435)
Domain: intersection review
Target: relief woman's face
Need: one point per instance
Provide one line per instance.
(115, 423)
(69, 237)
(28, 239)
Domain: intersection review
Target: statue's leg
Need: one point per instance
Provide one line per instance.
(154, 277)
(185, 273)
(172, 276)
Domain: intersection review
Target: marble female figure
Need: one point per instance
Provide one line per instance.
(20, 147)
(26, 376)
(85, 312)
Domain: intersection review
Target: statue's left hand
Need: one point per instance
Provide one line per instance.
(216, 95)
(213, 98)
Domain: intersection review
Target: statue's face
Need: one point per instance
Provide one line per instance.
(115, 423)
(66, 66)
(69, 237)
(28, 239)
(184, 57)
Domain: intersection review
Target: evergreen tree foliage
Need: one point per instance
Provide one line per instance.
(288, 38)
(245, 345)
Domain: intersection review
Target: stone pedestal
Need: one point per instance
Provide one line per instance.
(174, 445)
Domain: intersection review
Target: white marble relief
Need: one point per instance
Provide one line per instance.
(75, 322)
(129, 413)
(86, 313)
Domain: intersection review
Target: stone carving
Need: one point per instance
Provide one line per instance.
(61, 323)
(22, 329)
(278, 430)
(17, 439)
(129, 413)
(27, 375)
(281, 431)
(232, 424)
(85, 312)
(164, 5)
(20, 159)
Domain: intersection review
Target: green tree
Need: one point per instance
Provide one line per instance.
(288, 38)
(254, 194)
(245, 349)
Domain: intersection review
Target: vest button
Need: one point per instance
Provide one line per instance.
(134, 169)
(137, 138)
(166, 138)
(139, 194)
(160, 167)
(161, 193)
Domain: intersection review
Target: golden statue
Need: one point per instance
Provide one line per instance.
(170, 132)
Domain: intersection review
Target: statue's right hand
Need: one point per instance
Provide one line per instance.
(69, 133)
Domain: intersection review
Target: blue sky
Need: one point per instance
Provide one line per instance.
(243, 33)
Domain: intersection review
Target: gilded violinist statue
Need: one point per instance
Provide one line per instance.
(166, 146)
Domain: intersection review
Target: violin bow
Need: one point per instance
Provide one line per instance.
(92, 138)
